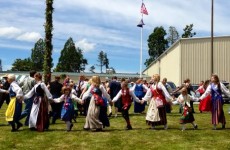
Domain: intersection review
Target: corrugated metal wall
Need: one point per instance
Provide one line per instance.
(196, 58)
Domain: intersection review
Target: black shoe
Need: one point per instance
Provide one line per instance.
(195, 127)
(71, 126)
(98, 129)
(129, 127)
(13, 130)
(19, 125)
(223, 126)
(110, 114)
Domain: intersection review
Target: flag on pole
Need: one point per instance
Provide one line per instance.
(141, 23)
(143, 9)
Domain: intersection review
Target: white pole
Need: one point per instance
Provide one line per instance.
(141, 54)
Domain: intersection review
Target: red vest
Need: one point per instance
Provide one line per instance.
(158, 93)
(126, 98)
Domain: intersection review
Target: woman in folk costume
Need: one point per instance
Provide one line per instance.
(139, 90)
(67, 112)
(39, 117)
(126, 96)
(96, 117)
(187, 114)
(159, 96)
(205, 104)
(13, 111)
(216, 88)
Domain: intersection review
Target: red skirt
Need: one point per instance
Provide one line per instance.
(206, 104)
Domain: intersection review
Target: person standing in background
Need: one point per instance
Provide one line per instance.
(27, 84)
(55, 88)
(5, 96)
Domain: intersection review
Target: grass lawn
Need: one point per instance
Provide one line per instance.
(115, 137)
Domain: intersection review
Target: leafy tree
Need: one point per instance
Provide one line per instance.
(84, 62)
(92, 68)
(188, 31)
(173, 35)
(157, 44)
(37, 55)
(71, 59)
(21, 65)
(47, 65)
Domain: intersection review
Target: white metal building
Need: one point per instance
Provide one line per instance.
(191, 58)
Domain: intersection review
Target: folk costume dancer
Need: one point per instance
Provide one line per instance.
(67, 112)
(216, 88)
(156, 115)
(95, 91)
(187, 114)
(126, 96)
(139, 89)
(14, 108)
(39, 116)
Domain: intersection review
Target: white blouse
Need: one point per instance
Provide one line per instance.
(32, 91)
(160, 86)
(15, 88)
(101, 87)
(185, 99)
(62, 98)
(119, 94)
(209, 89)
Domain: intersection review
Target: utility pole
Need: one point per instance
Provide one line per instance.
(212, 64)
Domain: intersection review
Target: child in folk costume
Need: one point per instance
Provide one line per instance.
(39, 117)
(159, 96)
(187, 114)
(216, 88)
(67, 112)
(95, 91)
(126, 95)
(13, 111)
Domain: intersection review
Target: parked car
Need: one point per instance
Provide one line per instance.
(173, 87)
(225, 97)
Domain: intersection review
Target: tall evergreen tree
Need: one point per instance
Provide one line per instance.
(47, 65)
(101, 60)
(37, 55)
(71, 59)
(157, 44)
(173, 35)
(188, 31)
(106, 61)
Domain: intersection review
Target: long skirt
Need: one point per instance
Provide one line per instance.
(187, 115)
(206, 104)
(217, 112)
(139, 108)
(39, 117)
(156, 116)
(67, 112)
(92, 119)
(13, 111)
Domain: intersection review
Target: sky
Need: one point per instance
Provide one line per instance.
(103, 25)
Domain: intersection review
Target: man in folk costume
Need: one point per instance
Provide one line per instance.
(126, 95)
(159, 96)
(14, 108)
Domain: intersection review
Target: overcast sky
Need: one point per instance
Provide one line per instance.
(103, 25)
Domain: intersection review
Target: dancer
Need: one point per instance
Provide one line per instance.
(159, 96)
(216, 88)
(95, 91)
(67, 112)
(126, 96)
(187, 114)
(14, 109)
(39, 117)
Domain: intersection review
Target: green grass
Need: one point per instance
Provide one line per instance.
(115, 137)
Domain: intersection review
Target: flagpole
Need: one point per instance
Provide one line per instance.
(141, 51)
